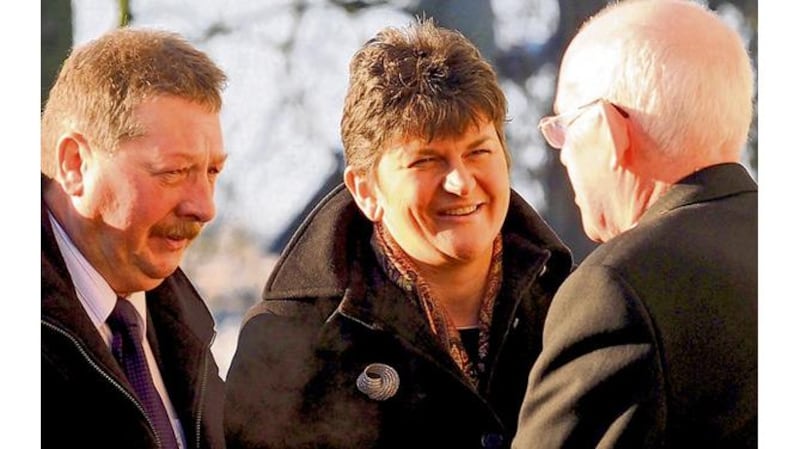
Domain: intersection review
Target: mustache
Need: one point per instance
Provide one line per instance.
(178, 231)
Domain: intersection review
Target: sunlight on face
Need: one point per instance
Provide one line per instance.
(587, 151)
(585, 163)
(147, 201)
(445, 201)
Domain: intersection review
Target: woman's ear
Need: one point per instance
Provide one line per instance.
(364, 193)
(619, 134)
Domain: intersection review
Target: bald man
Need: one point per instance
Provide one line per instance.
(652, 341)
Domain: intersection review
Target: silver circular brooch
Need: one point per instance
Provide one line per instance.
(378, 381)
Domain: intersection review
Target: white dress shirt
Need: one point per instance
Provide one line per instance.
(98, 299)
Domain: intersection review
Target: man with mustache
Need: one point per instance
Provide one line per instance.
(131, 150)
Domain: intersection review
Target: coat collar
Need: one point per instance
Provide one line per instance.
(314, 262)
(708, 184)
(330, 258)
(317, 261)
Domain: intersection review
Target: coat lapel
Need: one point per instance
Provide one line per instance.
(181, 353)
(518, 285)
(707, 184)
(380, 305)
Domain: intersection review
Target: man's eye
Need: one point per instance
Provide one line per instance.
(174, 173)
(214, 171)
(422, 162)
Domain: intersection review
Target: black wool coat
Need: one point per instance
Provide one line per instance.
(87, 402)
(328, 311)
(652, 341)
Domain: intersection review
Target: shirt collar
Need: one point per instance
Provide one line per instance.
(94, 293)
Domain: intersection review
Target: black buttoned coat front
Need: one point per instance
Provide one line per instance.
(329, 311)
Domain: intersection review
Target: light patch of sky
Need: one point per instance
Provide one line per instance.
(91, 18)
(524, 21)
(293, 145)
(528, 24)
(332, 36)
(327, 30)
(734, 18)
(542, 85)
(275, 25)
(535, 153)
(524, 143)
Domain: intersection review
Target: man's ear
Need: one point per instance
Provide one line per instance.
(364, 193)
(619, 135)
(72, 150)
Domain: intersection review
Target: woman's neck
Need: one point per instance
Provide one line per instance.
(459, 287)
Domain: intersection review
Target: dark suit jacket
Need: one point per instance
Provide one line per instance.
(652, 341)
(87, 401)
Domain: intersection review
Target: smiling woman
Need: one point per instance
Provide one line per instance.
(444, 201)
(413, 297)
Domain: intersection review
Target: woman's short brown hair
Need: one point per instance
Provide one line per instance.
(423, 81)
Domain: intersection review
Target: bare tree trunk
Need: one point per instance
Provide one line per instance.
(125, 15)
(56, 42)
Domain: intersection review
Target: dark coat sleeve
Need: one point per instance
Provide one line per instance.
(598, 381)
(264, 388)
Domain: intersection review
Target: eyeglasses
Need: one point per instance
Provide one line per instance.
(554, 127)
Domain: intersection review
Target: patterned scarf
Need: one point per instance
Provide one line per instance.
(402, 271)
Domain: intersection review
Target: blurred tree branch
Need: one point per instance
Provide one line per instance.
(125, 15)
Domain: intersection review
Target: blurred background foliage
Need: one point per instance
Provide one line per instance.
(287, 64)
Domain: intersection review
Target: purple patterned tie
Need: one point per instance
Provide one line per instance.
(126, 345)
